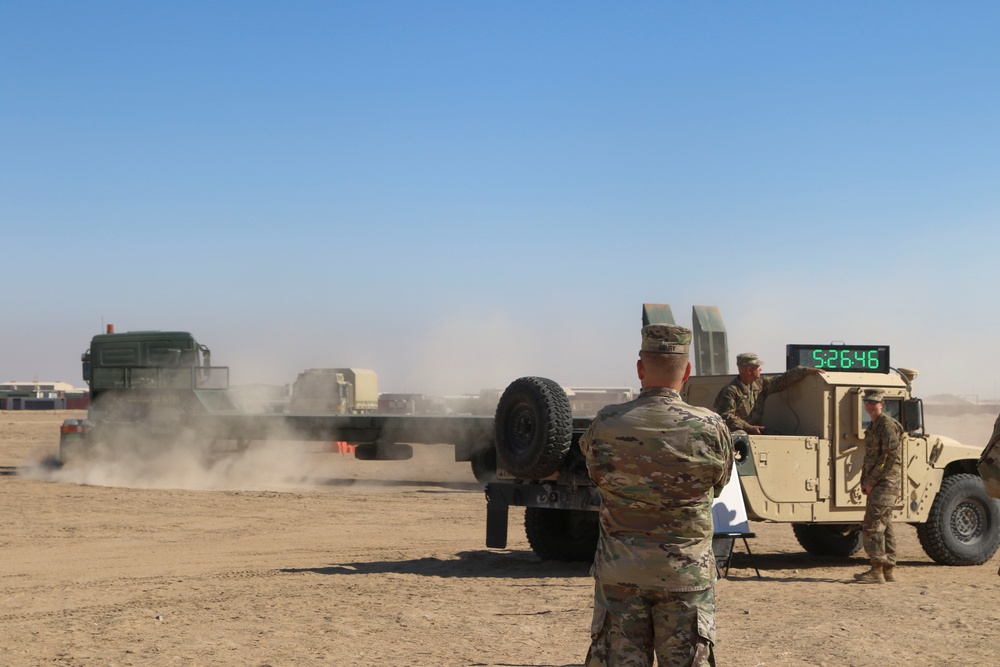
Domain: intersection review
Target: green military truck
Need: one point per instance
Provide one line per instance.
(145, 386)
(805, 472)
(153, 389)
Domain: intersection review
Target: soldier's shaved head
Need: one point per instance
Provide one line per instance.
(663, 370)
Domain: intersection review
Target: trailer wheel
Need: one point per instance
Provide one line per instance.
(564, 535)
(963, 527)
(824, 539)
(533, 427)
(484, 465)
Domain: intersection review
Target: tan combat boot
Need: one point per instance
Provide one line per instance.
(889, 571)
(872, 576)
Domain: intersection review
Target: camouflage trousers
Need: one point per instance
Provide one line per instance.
(631, 625)
(877, 534)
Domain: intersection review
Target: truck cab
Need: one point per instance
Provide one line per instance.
(145, 383)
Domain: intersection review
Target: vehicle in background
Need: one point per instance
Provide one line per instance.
(336, 391)
(145, 382)
(154, 389)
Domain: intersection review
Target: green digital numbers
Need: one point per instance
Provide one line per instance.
(821, 358)
(844, 358)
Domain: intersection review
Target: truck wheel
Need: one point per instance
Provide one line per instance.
(565, 535)
(73, 440)
(963, 527)
(839, 540)
(484, 465)
(533, 427)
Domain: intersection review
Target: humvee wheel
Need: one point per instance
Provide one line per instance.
(484, 465)
(839, 540)
(566, 535)
(533, 427)
(963, 527)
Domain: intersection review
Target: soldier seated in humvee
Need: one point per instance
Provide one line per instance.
(741, 402)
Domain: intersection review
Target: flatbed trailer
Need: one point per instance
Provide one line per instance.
(375, 437)
(378, 437)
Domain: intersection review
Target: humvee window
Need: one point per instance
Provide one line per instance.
(892, 407)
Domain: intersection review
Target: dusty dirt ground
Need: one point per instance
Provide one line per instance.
(312, 558)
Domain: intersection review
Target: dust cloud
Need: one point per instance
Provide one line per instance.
(278, 461)
(970, 428)
(461, 354)
(189, 462)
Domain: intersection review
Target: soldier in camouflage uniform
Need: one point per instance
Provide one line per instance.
(989, 464)
(741, 402)
(658, 463)
(880, 479)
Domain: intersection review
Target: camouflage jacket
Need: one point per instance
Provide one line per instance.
(658, 464)
(883, 464)
(742, 405)
(989, 462)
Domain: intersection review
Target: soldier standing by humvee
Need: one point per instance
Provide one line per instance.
(989, 464)
(741, 402)
(658, 463)
(880, 479)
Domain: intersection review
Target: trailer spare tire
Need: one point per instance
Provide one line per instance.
(533, 428)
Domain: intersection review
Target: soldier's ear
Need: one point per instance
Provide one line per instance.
(687, 372)
(640, 369)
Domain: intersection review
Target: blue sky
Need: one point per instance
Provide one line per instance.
(459, 193)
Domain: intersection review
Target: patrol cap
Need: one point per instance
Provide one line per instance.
(666, 339)
(748, 359)
(874, 396)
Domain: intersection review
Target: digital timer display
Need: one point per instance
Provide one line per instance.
(845, 358)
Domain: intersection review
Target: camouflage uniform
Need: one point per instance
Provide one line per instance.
(989, 462)
(658, 463)
(742, 405)
(881, 471)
